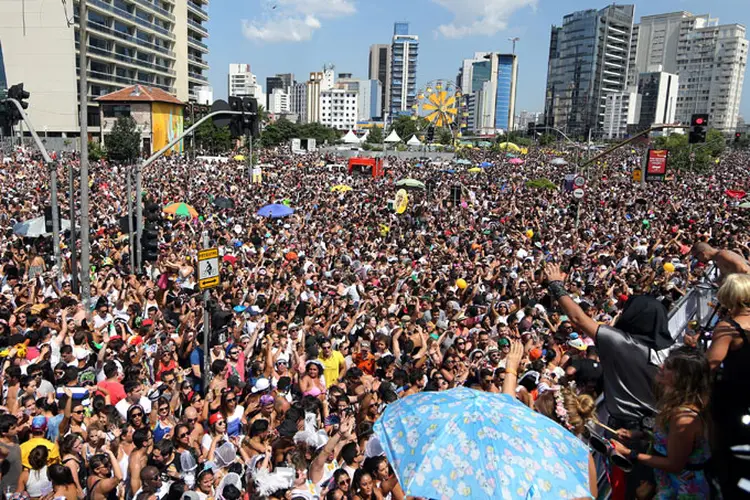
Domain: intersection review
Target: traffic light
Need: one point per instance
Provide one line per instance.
(150, 234)
(250, 118)
(698, 128)
(430, 133)
(48, 218)
(737, 136)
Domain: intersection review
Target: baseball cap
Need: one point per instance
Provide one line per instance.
(147, 322)
(503, 342)
(261, 385)
(39, 423)
(364, 345)
(535, 354)
(266, 399)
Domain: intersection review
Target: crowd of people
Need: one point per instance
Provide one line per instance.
(325, 317)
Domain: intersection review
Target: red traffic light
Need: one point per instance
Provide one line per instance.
(699, 121)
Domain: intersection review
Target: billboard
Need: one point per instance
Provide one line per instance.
(166, 124)
(656, 164)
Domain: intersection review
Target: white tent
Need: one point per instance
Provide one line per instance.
(351, 138)
(393, 137)
(413, 141)
(364, 137)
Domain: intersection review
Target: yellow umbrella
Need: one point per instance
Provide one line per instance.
(509, 146)
(181, 209)
(474, 170)
(239, 157)
(341, 188)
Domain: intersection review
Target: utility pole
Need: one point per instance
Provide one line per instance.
(73, 241)
(138, 213)
(131, 248)
(83, 92)
(206, 327)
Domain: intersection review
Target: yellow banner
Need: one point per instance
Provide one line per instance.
(166, 124)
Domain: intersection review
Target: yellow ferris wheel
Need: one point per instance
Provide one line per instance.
(440, 102)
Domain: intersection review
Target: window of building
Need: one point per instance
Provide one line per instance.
(116, 110)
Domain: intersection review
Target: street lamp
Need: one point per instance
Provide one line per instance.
(514, 39)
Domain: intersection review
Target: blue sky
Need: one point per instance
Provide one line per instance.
(299, 36)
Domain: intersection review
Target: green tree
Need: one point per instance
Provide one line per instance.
(212, 138)
(375, 136)
(444, 136)
(124, 142)
(319, 132)
(715, 142)
(405, 127)
(546, 139)
(96, 152)
(687, 157)
(279, 132)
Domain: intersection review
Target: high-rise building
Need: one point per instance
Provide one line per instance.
(620, 110)
(380, 70)
(709, 58)
(466, 72)
(338, 108)
(312, 97)
(298, 101)
(278, 102)
(204, 95)
(151, 43)
(243, 83)
(273, 83)
(493, 81)
(368, 95)
(287, 79)
(3, 81)
(404, 54)
(657, 95)
(588, 59)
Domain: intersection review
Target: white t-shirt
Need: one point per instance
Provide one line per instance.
(124, 405)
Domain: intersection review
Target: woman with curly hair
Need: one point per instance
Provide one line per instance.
(564, 406)
(681, 449)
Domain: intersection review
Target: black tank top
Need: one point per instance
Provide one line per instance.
(736, 365)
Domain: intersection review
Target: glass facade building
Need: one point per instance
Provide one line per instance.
(505, 91)
(404, 54)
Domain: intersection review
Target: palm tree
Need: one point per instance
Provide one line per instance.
(262, 115)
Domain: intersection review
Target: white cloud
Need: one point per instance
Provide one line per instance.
(294, 20)
(479, 17)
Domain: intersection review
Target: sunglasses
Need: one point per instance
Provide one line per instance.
(182, 436)
(79, 412)
(136, 415)
(229, 400)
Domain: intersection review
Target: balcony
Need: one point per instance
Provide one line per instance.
(123, 14)
(155, 9)
(128, 38)
(108, 78)
(197, 44)
(137, 63)
(197, 77)
(198, 27)
(197, 61)
(197, 9)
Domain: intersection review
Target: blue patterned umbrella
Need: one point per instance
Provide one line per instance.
(464, 443)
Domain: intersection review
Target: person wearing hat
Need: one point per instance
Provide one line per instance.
(38, 431)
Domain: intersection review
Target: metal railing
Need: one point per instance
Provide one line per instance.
(132, 17)
(155, 8)
(197, 42)
(109, 78)
(698, 304)
(127, 59)
(198, 26)
(101, 28)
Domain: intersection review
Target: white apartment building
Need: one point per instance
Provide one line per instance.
(243, 83)
(709, 58)
(156, 43)
(278, 102)
(338, 108)
(204, 95)
(620, 110)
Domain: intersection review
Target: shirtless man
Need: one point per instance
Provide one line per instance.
(727, 261)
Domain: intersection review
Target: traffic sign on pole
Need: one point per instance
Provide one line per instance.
(578, 193)
(579, 181)
(208, 268)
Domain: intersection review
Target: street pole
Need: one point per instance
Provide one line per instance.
(83, 94)
(131, 248)
(55, 216)
(206, 327)
(249, 159)
(138, 214)
(73, 243)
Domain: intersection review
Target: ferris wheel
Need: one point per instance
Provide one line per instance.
(441, 103)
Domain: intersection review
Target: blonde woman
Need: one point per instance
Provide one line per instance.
(729, 356)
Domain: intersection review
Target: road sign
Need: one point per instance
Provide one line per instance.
(579, 181)
(208, 268)
(578, 193)
(637, 175)
(656, 164)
